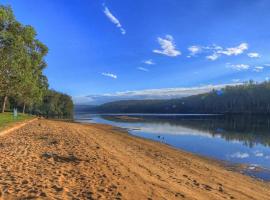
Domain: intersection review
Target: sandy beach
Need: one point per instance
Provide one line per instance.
(59, 160)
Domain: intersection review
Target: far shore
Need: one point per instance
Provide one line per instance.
(50, 159)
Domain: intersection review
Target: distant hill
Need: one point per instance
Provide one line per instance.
(249, 98)
(84, 108)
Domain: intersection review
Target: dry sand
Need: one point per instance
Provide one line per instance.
(60, 160)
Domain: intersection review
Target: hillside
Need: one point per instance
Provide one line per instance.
(249, 98)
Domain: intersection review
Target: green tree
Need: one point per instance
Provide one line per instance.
(21, 62)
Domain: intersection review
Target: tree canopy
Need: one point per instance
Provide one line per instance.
(22, 62)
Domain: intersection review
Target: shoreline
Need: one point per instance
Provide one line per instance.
(93, 161)
(239, 167)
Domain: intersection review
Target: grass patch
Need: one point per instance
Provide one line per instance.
(7, 119)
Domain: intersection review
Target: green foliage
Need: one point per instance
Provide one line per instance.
(22, 61)
(55, 104)
(249, 98)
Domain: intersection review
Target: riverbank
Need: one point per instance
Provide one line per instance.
(60, 160)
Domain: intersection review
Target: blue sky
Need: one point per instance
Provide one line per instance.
(99, 48)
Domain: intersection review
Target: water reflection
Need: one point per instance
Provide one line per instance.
(250, 130)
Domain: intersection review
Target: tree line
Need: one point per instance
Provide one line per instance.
(247, 98)
(22, 63)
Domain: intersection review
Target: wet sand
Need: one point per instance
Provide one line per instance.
(60, 160)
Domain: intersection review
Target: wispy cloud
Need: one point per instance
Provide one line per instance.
(194, 50)
(149, 62)
(143, 69)
(234, 50)
(258, 68)
(213, 57)
(113, 19)
(109, 75)
(254, 55)
(267, 65)
(168, 47)
(218, 51)
(238, 67)
(163, 93)
(240, 155)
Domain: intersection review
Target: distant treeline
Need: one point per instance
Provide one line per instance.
(22, 62)
(247, 98)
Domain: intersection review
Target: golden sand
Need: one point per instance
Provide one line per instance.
(59, 160)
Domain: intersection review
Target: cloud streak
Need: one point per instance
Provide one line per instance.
(163, 93)
(109, 75)
(168, 47)
(232, 51)
(258, 68)
(114, 20)
(143, 69)
(238, 67)
(149, 62)
(254, 55)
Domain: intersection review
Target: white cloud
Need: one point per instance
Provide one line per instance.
(149, 62)
(143, 69)
(109, 75)
(168, 47)
(194, 50)
(240, 155)
(213, 57)
(213, 47)
(163, 93)
(214, 51)
(170, 92)
(258, 68)
(267, 65)
(254, 55)
(217, 51)
(267, 157)
(114, 20)
(238, 67)
(234, 50)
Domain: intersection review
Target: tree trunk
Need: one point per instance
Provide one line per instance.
(23, 108)
(4, 104)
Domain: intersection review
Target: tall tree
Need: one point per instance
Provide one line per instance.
(12, 54)
(34, 83)
(21, 61)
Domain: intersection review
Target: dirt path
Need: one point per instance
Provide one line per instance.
(16, 126)
(59, 160)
